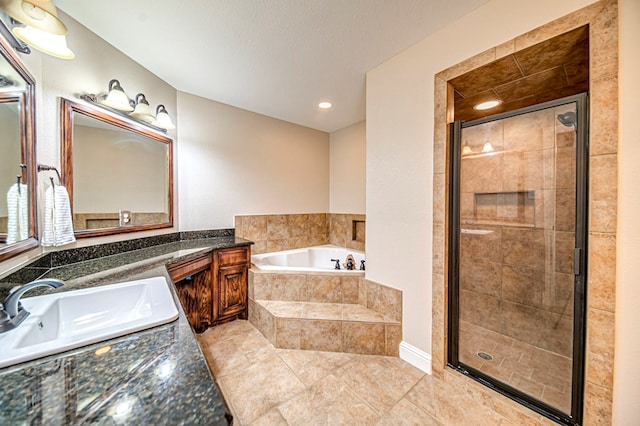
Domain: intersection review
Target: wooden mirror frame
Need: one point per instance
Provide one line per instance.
(67, 110)
(27, 148)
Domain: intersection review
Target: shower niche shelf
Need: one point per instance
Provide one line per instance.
(511, 208)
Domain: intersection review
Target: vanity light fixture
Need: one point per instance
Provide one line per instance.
(116, 98)
(487, 105)
(42, 29)
(143, 110)
(118, 102)
(38, 14)
(325, 105)
(51, 44)
(162, 119)
(466, 150)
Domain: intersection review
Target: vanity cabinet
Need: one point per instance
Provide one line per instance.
(212, 288)
(230, 269)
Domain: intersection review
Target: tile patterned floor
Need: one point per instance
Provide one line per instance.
(264, 385)
(542, 374)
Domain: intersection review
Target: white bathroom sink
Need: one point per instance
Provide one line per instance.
(68, 320)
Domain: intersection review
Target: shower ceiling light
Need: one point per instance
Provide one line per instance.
(487, 105)
(325, 105)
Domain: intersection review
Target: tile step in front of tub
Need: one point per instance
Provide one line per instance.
(334, 327)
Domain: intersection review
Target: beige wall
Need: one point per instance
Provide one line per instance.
(232, 161)
(228, 161)
(347, 175)
(400, 110)
(96, 63)
(626, 410)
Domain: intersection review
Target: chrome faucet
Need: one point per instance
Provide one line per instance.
(12, 313)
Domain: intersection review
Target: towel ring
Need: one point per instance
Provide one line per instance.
(44, 168)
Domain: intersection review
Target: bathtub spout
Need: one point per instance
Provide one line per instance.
(337, 263)
(351, 263)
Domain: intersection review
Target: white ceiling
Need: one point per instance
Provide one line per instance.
(274, 57)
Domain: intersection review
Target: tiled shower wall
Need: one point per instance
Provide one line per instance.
(289, 231)
(516, 272)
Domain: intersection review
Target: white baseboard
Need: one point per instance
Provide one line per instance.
(415, 357)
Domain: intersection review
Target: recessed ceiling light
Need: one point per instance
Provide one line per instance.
(325, 105)
(487, 105)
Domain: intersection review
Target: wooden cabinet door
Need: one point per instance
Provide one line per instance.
(231, 295)
(194, 293)
(230, 286)
(192, 281)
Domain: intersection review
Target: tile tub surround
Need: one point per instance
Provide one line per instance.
(264, 385)
(328, 312)
(290, 231)
(162, 367)
(602, 18)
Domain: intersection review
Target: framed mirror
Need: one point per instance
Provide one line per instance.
(18, 224)
(118, 172)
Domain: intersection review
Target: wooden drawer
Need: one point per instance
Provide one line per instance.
(232, 256)
(180, 270)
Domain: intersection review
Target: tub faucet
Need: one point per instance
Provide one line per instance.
(12, 313)
(351, 263)
(337, 263)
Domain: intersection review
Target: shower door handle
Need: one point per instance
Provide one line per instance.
(577, 261)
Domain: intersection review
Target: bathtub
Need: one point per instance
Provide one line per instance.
(311, 259)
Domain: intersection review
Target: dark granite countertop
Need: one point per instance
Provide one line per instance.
(156, 376)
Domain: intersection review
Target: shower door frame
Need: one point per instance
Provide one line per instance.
(580, 263)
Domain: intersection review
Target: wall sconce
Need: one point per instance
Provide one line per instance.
(143, 110)
(162, 118)
(116, 98)
(42, 29)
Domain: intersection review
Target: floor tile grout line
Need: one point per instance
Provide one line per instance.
(357, 395)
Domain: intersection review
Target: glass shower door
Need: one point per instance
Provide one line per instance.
(517, 235)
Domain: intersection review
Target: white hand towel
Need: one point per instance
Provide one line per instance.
(18, 213)
(58, 225)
